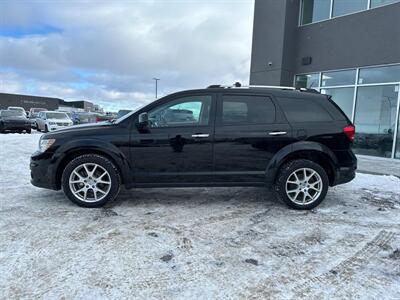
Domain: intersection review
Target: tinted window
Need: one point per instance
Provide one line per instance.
(187, 111)
(247, 110)
(304, 110)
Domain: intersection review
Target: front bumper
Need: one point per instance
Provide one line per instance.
(10, 126)
(42, 173)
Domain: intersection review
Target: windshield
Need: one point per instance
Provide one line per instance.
(11, 113)
(55, 115)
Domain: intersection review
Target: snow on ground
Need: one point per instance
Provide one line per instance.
(205, 243)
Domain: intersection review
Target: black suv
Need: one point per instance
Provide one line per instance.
(296, 141)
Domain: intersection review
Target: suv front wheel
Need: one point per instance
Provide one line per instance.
(301, 184)
(91, 180)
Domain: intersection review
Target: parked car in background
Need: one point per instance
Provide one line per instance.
(33, 113)
(122, 112)
(52, 120)
(14, 121)
(79, 117)
(18, 108)
(296, 141)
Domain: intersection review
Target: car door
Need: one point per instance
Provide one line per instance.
(177, 149)
(39, 121)
(249, 130)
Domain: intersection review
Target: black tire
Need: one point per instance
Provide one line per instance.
(102, 161)
(29, 131)
(283, 175)
(46, 129)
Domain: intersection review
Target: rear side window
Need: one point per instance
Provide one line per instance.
(246, 109)
(304, 110)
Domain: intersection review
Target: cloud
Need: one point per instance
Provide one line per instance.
(108, 52)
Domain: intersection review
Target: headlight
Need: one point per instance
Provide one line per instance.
(45, 144)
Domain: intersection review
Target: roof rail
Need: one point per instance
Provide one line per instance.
(238, 86)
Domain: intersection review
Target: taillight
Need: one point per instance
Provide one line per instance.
(350, 131)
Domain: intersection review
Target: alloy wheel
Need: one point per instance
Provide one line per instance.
(90, 182)
(304, 186)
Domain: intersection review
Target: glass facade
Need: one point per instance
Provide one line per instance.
(376, 3)
(343, 97)
(369, 97)
(318, 10)
(344, 7)
(315, 10)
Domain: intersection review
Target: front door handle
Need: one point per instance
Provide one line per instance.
(278, 133)
(200, 135)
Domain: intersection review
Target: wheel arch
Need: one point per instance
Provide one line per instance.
(313, 151)
(109, 151)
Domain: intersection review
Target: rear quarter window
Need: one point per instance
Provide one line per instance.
(304, 110)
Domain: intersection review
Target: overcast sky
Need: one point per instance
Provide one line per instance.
(109, 51)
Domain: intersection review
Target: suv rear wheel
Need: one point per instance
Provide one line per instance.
(301, 184)
(91, 180)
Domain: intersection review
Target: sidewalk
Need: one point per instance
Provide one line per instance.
(378, 165)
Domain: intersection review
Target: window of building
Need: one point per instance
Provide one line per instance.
(303, 110)
(347, 77)
(307, 81)
(375, 119)
(344, 7)
(379, 74)
(375, 96)
(187, 111)
(245, 109)
(343, 97)
(314, 10)
(376, 3)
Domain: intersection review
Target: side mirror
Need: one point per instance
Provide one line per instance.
(143, 124)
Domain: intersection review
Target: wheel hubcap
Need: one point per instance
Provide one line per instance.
(90, 182)
(304, 186)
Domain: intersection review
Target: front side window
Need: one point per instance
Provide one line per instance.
(245, 109)
(344, 7)
(187, 111)
(314, 11)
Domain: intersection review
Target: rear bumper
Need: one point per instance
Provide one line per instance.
(345, 174)
(347, 170)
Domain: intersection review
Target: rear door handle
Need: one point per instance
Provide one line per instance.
(277, 133)
(200, 135)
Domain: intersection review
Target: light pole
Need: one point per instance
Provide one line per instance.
(156, 80)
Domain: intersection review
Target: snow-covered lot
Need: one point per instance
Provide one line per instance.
(205, 243)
